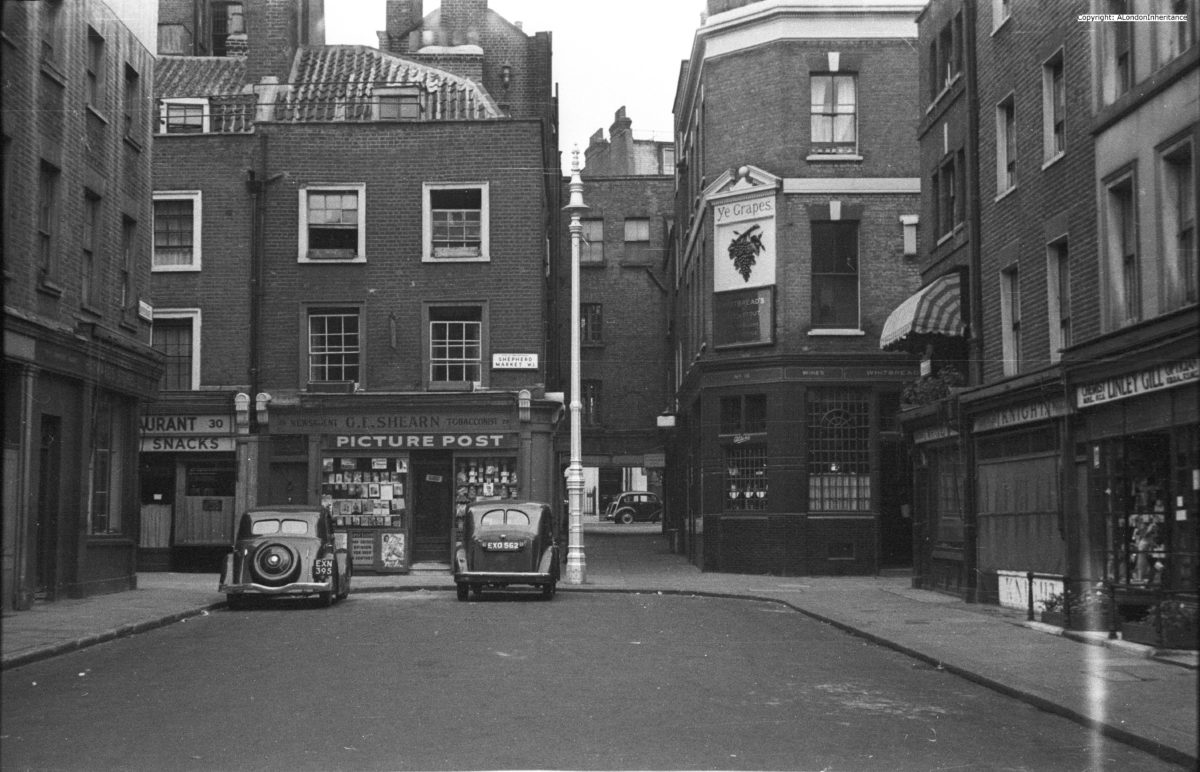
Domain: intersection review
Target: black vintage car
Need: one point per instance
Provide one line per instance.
(635, 506)
(286, 550)
(505, 542)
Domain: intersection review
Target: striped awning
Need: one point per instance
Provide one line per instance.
(936, 310)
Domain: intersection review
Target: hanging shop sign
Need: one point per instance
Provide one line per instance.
(1016, 415)
(194, 433)
(744, 317)
(744, 244)
(932, 434)
(1146, 381)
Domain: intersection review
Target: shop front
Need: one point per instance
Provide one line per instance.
(189, 482)
(397, 473)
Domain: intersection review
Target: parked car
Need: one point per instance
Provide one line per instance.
(505, 543)
(635, 506)
(286, 550)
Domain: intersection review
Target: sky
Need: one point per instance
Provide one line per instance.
(607, 53)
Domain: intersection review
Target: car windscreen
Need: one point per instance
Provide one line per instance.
(289, 527)
(499, 517)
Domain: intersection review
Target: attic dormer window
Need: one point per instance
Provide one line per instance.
(183, 116)
(397, 104)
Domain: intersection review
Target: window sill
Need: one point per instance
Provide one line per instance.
(311, 259)
(1053, 160)
(427, 258)
(592, 264)
(132, 143)
(99, 115)
(49, 288)
(833, 158)
(91, 310)
(175, 269)
(835, 332)
(50, 70)
(933, 103)
(452, 386)
(1005, 194)
(1002, 24)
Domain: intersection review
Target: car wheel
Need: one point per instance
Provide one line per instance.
(625, 517)
(275, 564)
(548, 590)
(463, 591)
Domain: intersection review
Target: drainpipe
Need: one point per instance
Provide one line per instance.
(975, 298)
(257, 185)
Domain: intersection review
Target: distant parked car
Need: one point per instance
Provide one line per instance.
(507, 543)
(286, 550)
(635, 506)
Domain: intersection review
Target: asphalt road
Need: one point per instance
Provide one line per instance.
(587, 681)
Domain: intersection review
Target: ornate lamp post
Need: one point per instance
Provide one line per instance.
(576, 562)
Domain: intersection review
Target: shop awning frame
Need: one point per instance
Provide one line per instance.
(935, 309)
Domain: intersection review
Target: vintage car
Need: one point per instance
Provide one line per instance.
(633, 506)
(505, 542)
(286, 550)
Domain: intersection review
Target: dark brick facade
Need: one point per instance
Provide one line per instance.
(77, 363)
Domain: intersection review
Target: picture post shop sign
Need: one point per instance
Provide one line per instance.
(744, 271)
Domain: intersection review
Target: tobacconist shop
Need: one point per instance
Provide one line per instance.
(396, 477)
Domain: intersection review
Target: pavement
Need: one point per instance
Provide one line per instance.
(1136, 694)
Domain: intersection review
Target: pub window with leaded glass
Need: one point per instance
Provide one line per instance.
(744, 414)
(839, 451)
(746, 477)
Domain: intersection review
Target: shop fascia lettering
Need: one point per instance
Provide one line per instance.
(195, 444)
(417, 441)
(744, 210)
(1152, 379)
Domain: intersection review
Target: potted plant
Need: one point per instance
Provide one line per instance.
(1170, 624)
(1089, 609)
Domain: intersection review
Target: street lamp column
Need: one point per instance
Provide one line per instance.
(576, 572)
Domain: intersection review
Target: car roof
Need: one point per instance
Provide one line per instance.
(525, 506)
(290, 510)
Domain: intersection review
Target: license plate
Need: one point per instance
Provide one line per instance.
(323, 567)
(501, 546)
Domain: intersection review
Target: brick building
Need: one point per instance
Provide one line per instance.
(796, 208)
(350, 281)
(629, 190)
(77, 359)
(1034, 466)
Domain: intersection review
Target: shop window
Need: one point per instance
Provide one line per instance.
(455, 346)
(1054, 108)
(365, 492)
(211, 479)
(455, 222)
(334, 345)
(175, 335)
(947, 472)
(486, 477)
(591, 245)
(835, 274)
(744, 414)
(110, 437)
(183, 116)
(1178, 198)
(333, 224)
(177, 231)
(746, 477)
(833, 114)
(839, 452)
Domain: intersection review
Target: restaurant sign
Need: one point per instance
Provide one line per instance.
(1151, 379)
(187, 433)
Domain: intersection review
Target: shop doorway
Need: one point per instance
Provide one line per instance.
(46, 507)
(432, 506)
(895, 504)
(288, 483)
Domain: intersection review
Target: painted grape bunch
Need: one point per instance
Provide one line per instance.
(743, 249)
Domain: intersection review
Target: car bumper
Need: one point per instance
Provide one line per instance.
(294, 588)
(503, 577)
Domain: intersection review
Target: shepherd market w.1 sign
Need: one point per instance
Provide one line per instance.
(514, 361)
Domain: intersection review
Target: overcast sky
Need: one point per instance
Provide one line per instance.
(606, 54)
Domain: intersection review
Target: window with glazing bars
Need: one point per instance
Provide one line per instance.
(173, 339)
(591, 322)
(457, 222)
(839, 451)
(173, 230)
(455, 345)
(334, 348)
(746, 477)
